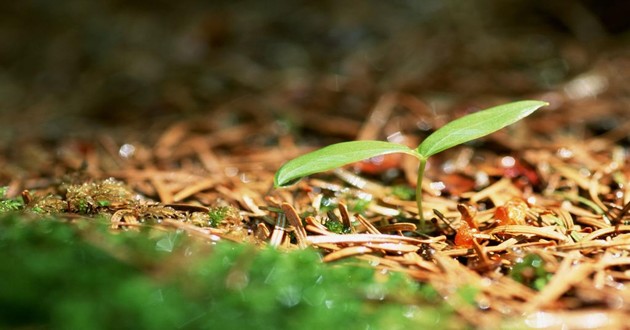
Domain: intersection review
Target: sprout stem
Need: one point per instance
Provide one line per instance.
(423, 163)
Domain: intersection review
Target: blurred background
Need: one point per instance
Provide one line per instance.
(78, 68)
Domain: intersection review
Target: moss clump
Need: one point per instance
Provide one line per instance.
(88, 198)
(219, 214)
(49, 204)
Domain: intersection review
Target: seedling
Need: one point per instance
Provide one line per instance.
(459, 131)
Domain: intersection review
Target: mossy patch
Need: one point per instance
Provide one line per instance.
(57, 275)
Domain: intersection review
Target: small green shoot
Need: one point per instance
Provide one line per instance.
(459, 131)
(218, 214)
(9, 205)
(336, 227)
(531, 272)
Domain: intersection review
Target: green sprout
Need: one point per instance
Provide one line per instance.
(218, 214)
(459, 131)
(9, 204)
(531, 272)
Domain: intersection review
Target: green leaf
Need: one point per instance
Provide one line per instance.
(334, 156)
(476, 125)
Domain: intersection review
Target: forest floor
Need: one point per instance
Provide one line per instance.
(549, 196)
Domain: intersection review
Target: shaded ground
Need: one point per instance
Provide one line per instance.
(193, 108)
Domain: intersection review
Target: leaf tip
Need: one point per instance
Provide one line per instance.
(537, 103)
(276, 184)
(277, 180)
(281, 179)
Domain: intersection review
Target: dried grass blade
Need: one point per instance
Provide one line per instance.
(188, 208)
(481, 253)
(381, 210)
(378, 117)
(594, 188)
(207, 158)
(207, 233)
(262, 232)
(606, 231)
(507, 244)
(508, 288)
(346, 252)
(497, 248)
(318, 230)
(582, 245)
(596, 222)
(310, 220)
(368, 225)
(365, 238)
(574, 175)
(567, 275)
(162, 191)
(169, 139)
(565, 217)
(622, 213)
(195, 188)
(296, 222)
(278, 231)
(610, 261)
(491, 190)
(116, 218)
(546, 232)
(393, 247)
(345, 217)
(397, 227)
(251, 205)
(415, 259)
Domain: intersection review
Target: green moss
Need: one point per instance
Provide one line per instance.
(531, 272)
(336, 226)
(87, 198)
(9, 204)
(219, 213)
(62, 276)
(49, 204)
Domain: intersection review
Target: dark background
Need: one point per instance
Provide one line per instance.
(74, 67)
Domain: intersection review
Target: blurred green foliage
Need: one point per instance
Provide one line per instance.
(80, 276)
(404, 192)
